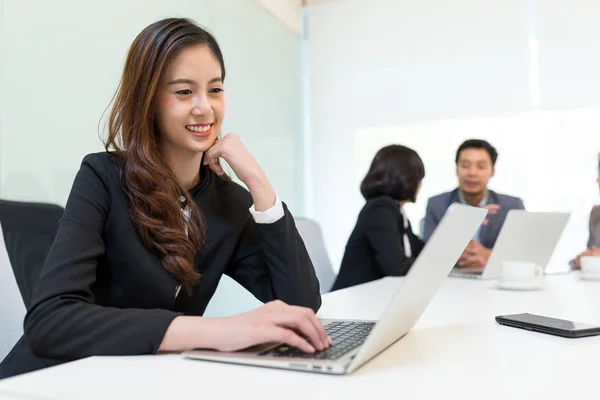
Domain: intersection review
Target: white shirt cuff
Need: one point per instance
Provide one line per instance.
(273, 214)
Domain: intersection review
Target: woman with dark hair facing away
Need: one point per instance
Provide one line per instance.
(153, 223)
(382, 242)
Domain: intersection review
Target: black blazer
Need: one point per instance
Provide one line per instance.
(101, 291)
(376, 247)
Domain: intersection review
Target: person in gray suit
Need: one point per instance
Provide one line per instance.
(593, 244)
(475, 162)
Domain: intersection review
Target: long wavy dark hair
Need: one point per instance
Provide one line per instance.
(133, 136)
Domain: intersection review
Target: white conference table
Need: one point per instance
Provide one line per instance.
(456, 350)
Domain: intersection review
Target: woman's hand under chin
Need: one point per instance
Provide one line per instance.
(245, 167)
(232, 150)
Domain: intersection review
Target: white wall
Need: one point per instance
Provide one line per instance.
(432, 73)
(287, 11)
(61, 62)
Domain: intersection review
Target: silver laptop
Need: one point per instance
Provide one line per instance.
(356, 342)
(524, 236)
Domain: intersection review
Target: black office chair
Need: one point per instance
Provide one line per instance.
(29, 230)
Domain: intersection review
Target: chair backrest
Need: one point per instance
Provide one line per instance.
(29, 231)
(311, 234)
(12, 307)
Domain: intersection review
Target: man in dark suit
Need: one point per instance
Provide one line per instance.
(475, 162)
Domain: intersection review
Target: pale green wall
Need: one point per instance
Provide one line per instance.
(60, 62)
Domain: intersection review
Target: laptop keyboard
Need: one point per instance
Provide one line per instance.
(346, 336)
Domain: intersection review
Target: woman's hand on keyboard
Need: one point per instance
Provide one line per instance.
(273, 322)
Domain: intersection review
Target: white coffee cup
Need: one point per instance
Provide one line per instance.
(520, 272)
(590, 265)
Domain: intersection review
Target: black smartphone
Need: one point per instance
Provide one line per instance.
(552, 326)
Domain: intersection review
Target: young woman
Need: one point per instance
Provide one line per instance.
(382, 243)
(152, 224)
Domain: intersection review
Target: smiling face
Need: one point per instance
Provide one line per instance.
(189, 103)
(474, 170)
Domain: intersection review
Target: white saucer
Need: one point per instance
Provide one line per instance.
(535, 285)
(589, 276)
